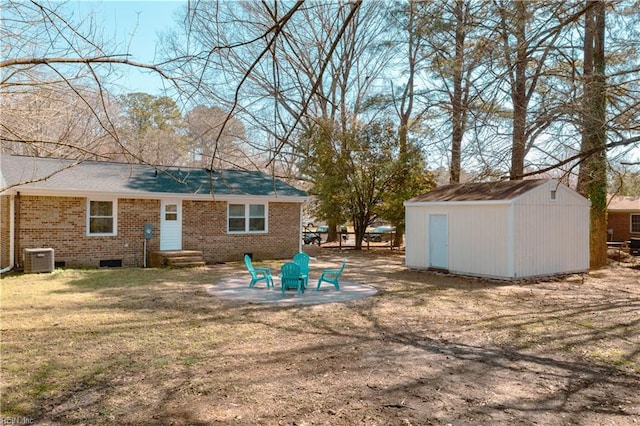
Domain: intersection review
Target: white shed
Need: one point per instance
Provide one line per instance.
(504, 230)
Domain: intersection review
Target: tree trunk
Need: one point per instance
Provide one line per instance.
(332, 231)
(592, 177)
(406, 106)
(359, 228)
(519, 96)
(457, 113)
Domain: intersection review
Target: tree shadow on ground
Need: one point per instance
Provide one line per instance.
(429, 349)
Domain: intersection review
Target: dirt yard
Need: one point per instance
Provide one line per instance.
(145, 347)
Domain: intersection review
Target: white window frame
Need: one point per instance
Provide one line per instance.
(114, 216)
(247, 217)
(637, 231)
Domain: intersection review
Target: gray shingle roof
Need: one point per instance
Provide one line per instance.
(123, 178)
(484, 191)
(623, 203)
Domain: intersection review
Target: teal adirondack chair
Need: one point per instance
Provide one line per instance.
(331, 276)
(290, 275)
(258, 274)
(302, 260)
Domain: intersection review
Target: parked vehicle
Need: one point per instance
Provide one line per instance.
(380, 234)
(309, 237)
(324, 229)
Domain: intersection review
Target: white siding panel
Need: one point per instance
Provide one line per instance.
(532, 235)
(416, 237)
(478, 240)
(551, 236)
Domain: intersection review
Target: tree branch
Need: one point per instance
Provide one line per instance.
(85, 61)
(582, 156)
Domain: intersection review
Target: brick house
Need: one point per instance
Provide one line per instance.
(95, 213)
(623, 218)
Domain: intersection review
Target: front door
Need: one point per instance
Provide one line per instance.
(171, 225)
(438, 241)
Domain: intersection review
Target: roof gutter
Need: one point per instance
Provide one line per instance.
(159, 195)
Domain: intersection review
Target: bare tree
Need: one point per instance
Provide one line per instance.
(61, 68)
(456, 49)
(593, 171)
(203, 129)
(529, 35)
(271, 67)
(460, 93)
(277, 66)
(48, 121)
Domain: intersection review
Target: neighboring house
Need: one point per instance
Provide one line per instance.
(623, 218)
(504, 230)
(95, 213)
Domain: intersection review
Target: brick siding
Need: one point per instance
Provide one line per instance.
(204, 228)
(60, 223)
(621, 225)
(5, 231)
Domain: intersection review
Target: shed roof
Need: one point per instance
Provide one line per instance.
(623, 203)
(136, 179)
(484, 191)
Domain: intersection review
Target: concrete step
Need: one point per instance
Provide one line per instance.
(185, 261)
(176, 258)
(187, 264)
(180, 253)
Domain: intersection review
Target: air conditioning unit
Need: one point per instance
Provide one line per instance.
(634, 246)
(37, 260)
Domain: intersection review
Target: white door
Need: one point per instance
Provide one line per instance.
(438, 241)
(171, 225)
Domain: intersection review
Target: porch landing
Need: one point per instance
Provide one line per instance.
(176, 258)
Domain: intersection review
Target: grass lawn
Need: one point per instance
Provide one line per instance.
(151, 346)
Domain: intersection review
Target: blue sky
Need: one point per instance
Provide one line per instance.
(135, 24)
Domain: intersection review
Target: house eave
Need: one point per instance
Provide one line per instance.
(631, 211)
(456, 203)
(152, 195)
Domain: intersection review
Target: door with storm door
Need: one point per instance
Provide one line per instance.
(171, 225)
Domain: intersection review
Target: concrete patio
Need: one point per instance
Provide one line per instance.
(237, 289)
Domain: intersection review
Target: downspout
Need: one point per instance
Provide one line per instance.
(11, 235)
(300, 229)
(16, 226)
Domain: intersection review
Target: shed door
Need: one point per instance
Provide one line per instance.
(171, 225)
(438, 241)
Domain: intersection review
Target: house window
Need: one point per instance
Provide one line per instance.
(101, 217)
(635, 223)
(553, 194)
(171, 212)
(247, 218)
